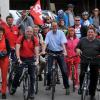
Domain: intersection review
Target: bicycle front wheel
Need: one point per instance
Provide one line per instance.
(36, 81)
(53, 84)
(73, 77)
(10, 80)
(83, 96)
(26, 87)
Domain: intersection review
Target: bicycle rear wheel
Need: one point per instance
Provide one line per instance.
(26, 87)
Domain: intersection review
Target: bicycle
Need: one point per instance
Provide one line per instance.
(54, 71)
(46, 72)
(86, 80)
(70, 59)
(25, 78)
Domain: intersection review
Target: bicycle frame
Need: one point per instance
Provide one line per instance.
(71, 59)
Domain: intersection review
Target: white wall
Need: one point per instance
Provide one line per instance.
(4, 8)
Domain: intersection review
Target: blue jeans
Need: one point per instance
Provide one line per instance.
(63, 68)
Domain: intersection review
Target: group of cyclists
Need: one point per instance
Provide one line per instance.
(67, 35)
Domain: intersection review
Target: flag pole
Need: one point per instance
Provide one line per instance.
(49, 7)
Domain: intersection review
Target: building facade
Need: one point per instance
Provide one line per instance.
(54, 5)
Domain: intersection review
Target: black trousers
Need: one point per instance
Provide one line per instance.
(94, 72)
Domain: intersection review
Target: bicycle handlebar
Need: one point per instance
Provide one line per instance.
(89, 58)
(70, 57)
(54, 55)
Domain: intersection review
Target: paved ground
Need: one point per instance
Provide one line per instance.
(46, 95)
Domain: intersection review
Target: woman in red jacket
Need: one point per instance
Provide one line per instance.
(4, 61)
(72, 42)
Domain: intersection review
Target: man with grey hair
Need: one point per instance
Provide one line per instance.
(26, 52)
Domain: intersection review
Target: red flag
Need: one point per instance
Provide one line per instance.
(36, 12)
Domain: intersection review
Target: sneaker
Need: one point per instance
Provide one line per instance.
(79, 91)
(48, 88)
(3, 96)
(67, 91)
(40, 77)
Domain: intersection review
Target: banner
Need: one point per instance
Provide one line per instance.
(36, 12)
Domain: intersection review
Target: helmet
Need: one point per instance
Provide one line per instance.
(60, 12)
(85, 13)
(45, 26)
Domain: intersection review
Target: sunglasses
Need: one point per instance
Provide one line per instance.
(77, 20)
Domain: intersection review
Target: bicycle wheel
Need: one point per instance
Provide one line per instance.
(36, 81)
(26, 87)
(53, 84)
(10, 80)
(98, 89)
(73, 78)
(45, 76)
(83, 96)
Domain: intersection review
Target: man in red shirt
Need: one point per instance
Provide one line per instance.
(12, 34)
(26, 50)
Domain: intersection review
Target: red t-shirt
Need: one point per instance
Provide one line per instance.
(27, 48)
(2, 44)
(12, 35)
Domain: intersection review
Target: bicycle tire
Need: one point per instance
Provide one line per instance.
(45, 77)
(73, 78)
(26, 87)
(36, 81)
(10, 81)
(83, 96)
(53, 84)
